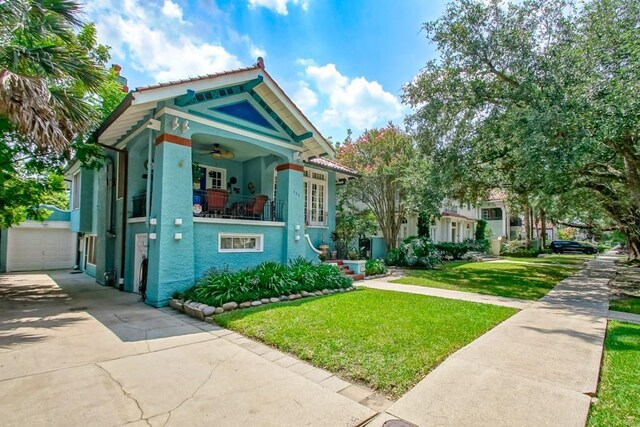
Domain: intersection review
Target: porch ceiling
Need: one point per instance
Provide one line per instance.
(203, 143)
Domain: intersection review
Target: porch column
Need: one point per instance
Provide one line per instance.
(291, 190)
(171, 263)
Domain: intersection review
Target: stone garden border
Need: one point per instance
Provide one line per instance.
(205, 312)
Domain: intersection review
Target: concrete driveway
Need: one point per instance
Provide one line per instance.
(76, 353)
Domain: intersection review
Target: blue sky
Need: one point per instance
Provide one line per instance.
(342, 62)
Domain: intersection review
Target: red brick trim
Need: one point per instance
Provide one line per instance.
(167, 137)
(292, 166)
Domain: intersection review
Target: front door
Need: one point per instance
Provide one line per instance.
(140, 254)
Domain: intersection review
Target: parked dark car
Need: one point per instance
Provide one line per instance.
(564, 246)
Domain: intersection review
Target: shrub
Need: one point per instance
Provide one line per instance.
(454, 250)
(481, 230)
(513, 246)
(375, 266)
(481, 245)
(415, 252)
(269, 279)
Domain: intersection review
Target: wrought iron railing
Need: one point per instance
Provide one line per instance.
(220, 204)
(315, 217)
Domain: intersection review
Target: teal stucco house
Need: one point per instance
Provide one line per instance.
(215, 171)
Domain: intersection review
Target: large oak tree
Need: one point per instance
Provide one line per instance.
(539, 98)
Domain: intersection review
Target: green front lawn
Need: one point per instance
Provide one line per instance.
(525, 281)
(576, 260)
(619, 389)
(630, 305)
(388, 340)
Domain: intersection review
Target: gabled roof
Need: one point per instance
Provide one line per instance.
(140, 105)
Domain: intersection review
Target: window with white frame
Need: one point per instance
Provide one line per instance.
(240, 242)
(315, 197)
(216, 178)
(75, 191)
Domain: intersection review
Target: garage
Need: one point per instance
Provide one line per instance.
(40, 246)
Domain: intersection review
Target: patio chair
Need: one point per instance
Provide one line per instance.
(255, 208)
(217, 201)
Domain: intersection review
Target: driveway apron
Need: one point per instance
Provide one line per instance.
(76, 353)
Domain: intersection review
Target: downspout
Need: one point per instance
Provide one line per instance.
(123, 242)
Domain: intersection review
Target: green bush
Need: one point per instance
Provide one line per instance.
(454, 250)
(269, 279)
(481, 245)
(375, 266)
(415, 252)
(512, 247)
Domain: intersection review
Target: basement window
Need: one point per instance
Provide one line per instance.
(240, 242)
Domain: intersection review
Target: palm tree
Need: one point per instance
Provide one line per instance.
(45, 72)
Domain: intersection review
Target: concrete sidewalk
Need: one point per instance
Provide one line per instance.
(87, 354)
(537, 368)
(624, 317)
(445, 293)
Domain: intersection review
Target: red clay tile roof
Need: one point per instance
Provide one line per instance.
(456, 215)
(197, 78)
(332, 165)
(497, 195)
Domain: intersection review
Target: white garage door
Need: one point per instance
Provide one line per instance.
(40, 249)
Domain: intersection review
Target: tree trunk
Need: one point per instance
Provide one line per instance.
(527, 221)
(543, 229)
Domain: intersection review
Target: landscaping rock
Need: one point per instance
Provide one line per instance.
(305, 294)
(341, 290)
(189, 311)
(284, 298)
(209, 320)
(265, 300)
(228, 306)
(331, 291)
(176, 304)
(292, 297)
(219, 310)
(318, 293)
(273, 299)
(208, 311)
(256, 303)
(325, 291)
(298, 296)
(245, 304)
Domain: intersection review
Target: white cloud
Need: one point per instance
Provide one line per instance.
(172, 10)
(154, 44)
(255, 52)
(356, 102)
(278, 6)
(304, 97)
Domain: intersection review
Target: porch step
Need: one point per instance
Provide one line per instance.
(357, 277)
(344, 269)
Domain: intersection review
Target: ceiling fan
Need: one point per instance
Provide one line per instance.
(219, 153)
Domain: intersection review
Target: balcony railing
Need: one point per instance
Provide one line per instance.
(220, 204)
(315, 218)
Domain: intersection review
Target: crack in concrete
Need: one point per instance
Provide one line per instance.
(215, 367)
(127, 394)
(128, 325)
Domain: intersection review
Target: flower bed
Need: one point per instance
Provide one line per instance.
(267, 280)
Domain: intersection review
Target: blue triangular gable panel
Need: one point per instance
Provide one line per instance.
(245, 111)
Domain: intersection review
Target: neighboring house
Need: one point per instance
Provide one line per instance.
(210, 172)
(39, 245)
(457, 222)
